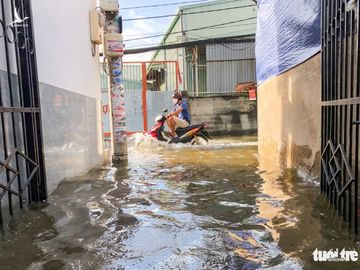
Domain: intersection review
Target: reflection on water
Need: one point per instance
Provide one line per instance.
(179, 207)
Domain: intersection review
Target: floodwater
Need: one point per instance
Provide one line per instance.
(179, 207)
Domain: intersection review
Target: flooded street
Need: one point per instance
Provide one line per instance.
(179, 207)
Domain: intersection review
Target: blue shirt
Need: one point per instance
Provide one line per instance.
(184, 114)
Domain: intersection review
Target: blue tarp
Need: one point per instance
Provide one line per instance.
(288, 33)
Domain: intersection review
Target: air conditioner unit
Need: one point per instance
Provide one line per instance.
(109, 5)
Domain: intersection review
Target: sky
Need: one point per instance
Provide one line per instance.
(141, 28)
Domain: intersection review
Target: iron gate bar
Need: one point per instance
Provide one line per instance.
(20, 92)
(7, 188)
(32, 99)
(26, 109)
(339, 102)
(21, 85)
(18, 110)
(340, 106)
(333, 180)
(28, 100)
(1, 104)
(5, 165)
(357, 127)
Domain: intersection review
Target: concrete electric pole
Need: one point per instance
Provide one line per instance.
(114, 51)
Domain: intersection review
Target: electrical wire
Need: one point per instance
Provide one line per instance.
(190, 30)
(106, 66)
(234, 39)
(229, 34)
(237, 49)
(177, 3)
(163, 5)
(223, 34)
(184, 14)
(218, 27)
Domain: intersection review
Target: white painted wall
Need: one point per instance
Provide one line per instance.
(63, 47)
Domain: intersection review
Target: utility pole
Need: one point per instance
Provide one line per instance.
(114, 50)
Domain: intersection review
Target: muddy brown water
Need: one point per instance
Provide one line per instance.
(179, 207)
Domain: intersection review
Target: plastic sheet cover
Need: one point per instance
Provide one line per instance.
(288, 33)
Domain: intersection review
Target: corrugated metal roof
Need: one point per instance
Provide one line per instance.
(232, 18)
(221, 19)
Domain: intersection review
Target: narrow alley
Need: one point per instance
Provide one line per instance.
(179, 135)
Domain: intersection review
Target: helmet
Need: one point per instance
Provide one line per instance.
(177, 95)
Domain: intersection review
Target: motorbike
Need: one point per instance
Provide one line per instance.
(192, 134)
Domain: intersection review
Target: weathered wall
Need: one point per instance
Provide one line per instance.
(72, 133)
(289, 118)
(226, 115)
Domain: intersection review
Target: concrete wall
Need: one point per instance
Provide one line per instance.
(72, 133)
(70, 88)
(226, 115)
(289, 118)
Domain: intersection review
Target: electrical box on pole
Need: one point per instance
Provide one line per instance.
(95, 27)
(109, 5)
(114, 46)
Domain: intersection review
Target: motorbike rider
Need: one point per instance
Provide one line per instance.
(180, 117)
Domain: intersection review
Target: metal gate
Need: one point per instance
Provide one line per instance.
(22, 171)
(341, 107)
(148, 86)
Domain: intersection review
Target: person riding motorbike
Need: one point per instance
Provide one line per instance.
(180, 117)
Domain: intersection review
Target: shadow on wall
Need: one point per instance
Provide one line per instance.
(290, 118)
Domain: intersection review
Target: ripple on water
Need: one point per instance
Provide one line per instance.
(235, 204)
(177, 207)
